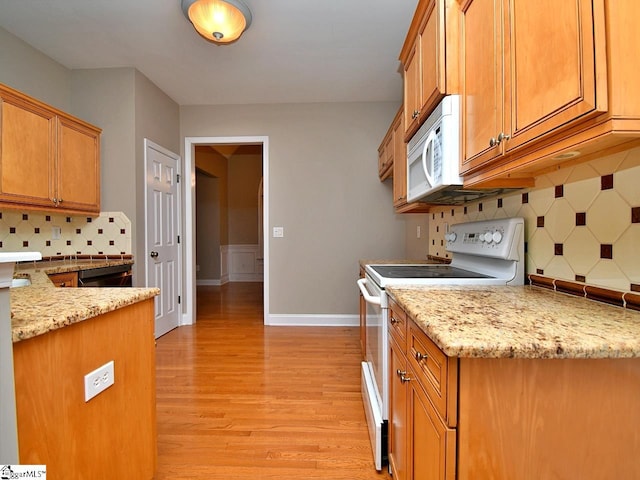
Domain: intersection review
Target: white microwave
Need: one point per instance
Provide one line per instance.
(433, 155)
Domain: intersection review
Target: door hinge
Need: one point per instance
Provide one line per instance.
(178, 238)
(178, 178)
(178, 299)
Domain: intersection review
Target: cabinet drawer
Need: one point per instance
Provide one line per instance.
(436, 372)
(398, 324)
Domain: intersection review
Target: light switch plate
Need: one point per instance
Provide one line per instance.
(278, 232)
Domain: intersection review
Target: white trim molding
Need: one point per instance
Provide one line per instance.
(313, 320)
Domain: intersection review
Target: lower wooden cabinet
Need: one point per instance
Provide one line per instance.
(421, 445)
(508, 418)
(113, 435)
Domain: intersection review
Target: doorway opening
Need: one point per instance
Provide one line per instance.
(226, 214)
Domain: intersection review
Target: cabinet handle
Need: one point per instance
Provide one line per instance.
(393, 321)
(415, 114)
(419, 356)
(493, 142)
(59, 200)
(502, 136)
(400, 373)
(63, 284)
(404, 378)
(55, 201)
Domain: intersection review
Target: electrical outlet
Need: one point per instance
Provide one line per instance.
(99, 380)
(56, 232)
(418, 232)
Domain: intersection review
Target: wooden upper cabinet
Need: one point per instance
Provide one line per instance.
(78, 167)
(482, 86)
(429, 59)
(527, 72)
(48, 160)
(26, 152)
(544, 82)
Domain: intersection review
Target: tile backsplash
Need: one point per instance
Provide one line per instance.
(582, 223)
(107, 234)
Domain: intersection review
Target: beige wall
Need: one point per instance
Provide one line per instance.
(26, 69)
(245, 172)
(323, 190)
(208, 227)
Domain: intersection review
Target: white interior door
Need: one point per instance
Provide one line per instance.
(162, 234)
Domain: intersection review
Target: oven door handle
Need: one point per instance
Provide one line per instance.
(365, 293)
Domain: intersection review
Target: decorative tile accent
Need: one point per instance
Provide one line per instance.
(606, 182)
(480, 207)
(559, 193)
(581, 219)
(557, 249)
(581, 278)
(525, 197)
(540, 222)
(635, 215)
(100, 236)
(606, 251)
(499, 203)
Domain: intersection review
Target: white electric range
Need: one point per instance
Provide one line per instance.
(488, 252)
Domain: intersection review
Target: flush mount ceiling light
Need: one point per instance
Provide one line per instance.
(219, 21)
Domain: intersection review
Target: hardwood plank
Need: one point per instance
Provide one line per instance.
(237, 399)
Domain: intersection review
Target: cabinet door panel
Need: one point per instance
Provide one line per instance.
(412, 92)
(397, 413)
(482, 96)
(26, 155)
(431, 443)
(432, 43)
(78, 167)
(551, 77)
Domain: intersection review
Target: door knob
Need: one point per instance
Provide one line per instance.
(154, 254)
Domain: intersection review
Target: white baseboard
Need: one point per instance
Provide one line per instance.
(207, 282)
(246, 277)
(313, 320)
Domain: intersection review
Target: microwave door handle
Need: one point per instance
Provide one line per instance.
(431, 139)
(365, 293)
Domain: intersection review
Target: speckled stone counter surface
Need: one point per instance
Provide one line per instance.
(41, 307)
(520, 322)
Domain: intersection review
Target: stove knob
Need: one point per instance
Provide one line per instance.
(451, 237)
(488, 237)
(497, 237)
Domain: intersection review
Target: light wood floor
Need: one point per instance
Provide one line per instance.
(238, 400)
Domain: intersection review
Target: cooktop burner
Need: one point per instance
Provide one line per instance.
(425, 271)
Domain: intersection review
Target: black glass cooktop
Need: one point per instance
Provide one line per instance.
(425, 271)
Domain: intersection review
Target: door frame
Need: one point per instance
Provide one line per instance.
(148, 143)
(189, 240)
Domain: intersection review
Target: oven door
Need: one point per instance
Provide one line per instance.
(375, 381)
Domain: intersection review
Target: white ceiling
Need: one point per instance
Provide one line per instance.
(295, 50)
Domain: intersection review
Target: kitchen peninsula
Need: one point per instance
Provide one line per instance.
(512, 382)
(62, 334)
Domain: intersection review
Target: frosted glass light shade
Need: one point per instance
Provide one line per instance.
(219, 21)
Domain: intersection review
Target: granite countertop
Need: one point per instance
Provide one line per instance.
(41, 307)
(519, 322)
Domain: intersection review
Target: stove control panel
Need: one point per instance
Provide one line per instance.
(498, 238)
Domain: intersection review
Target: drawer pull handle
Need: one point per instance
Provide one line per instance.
(393, 321)
(419, 356)
(403, 376)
